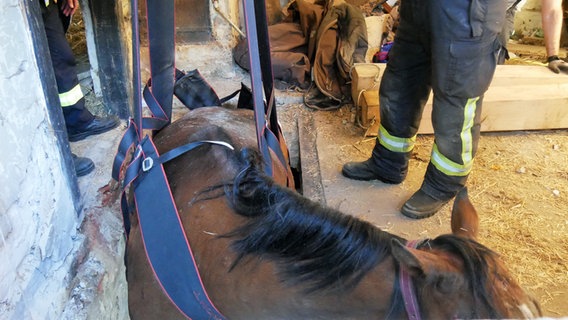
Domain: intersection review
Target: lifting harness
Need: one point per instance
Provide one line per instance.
(163, 234)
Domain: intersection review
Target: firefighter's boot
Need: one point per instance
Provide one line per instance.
(365, 170)
(421, 205)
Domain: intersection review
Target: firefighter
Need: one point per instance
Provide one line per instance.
(79, 121)
(448, 47)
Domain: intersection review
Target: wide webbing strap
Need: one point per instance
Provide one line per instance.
(158, 94)
(164, 238)
(163, 235)
(161, 39)
(166, 244)
(268, 131)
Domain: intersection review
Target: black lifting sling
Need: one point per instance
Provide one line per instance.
(163, 233)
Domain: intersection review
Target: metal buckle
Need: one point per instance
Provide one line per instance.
(147, 164)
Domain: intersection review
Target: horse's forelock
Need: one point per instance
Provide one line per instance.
(479, 263)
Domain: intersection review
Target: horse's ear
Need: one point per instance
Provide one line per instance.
(420, 263)
(465, 221)
(407, 258)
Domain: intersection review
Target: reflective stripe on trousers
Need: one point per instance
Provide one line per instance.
(452, 168)
(71, 97)
(395, 144)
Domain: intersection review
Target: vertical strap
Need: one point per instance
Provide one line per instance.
(266, 64)
(269, 136)
(136, 83)
(165, 242)
(161, 40)
(256, 81)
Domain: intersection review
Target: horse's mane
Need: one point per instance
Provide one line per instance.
(324, 248)
(312, 244)
(477, 262)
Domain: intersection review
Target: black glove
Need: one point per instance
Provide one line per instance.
(557, 65)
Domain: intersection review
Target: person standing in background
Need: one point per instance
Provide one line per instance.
(451, 48)
(552, 16)
(79, 121)
(551, 13)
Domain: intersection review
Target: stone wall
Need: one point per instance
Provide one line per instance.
(50, 262)
(61, 247)
(38, 221)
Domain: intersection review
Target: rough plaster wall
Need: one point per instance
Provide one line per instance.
(217, 51)
(37, 218)
(527, 20)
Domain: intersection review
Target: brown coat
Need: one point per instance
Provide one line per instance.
(323, 38)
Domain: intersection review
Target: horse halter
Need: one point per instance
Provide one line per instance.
(408, 291)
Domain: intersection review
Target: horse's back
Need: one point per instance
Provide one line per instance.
(200, 124)
(188, 176)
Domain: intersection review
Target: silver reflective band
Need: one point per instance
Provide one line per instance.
(393, 143)
(71, 97)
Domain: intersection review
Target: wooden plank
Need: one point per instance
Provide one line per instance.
(519, 98)
(103, 27)
(369, 112)
(508, 75)
(518, 107)
(312, 186)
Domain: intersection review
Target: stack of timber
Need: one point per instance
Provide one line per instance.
(519, 98)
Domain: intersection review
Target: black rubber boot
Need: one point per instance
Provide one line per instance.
(422, 205)
(366, 171)
(97, 126)
(83, 166)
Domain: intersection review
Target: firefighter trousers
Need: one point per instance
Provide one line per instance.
(449, 48)
(64, 67)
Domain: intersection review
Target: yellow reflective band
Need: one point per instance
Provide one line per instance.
(395, 144)
(71, 97)
(447, 166)
(46, 2)
(466, 137)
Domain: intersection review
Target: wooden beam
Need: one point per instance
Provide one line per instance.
(519, 98)
(107, 42)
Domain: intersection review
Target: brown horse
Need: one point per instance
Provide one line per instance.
(266, 252)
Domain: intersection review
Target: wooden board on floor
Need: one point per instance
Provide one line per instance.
(519, 98)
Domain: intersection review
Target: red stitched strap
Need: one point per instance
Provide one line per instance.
(164, 239)
(408, 291)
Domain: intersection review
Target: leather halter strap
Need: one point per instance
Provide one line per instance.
(408, 291)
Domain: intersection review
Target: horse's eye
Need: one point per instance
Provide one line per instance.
(445, 284)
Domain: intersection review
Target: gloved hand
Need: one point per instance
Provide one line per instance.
(557, 65)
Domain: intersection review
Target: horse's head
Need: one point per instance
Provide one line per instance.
(456, 277)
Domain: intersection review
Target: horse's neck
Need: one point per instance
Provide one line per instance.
(375, 292)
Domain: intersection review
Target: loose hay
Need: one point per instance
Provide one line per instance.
(520, 217)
